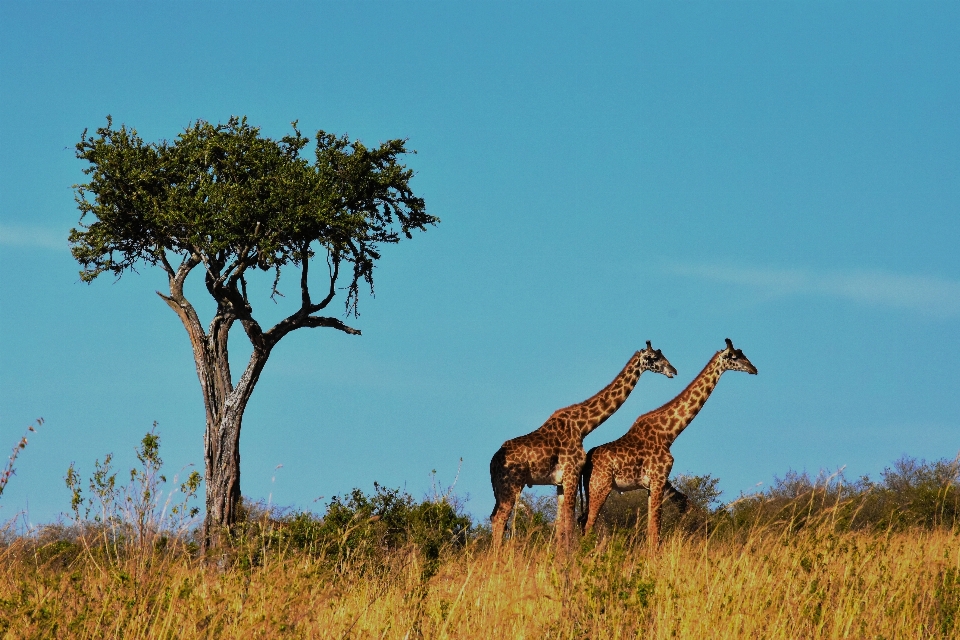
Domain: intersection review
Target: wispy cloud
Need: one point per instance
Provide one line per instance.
(926, 294)
(33, 237)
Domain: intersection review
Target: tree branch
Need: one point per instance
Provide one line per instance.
(232, 304)
(321, 321)
(334, 270)
(166, 264)
(235, 271)
(304, 286)
(302, 319)
(178, 277)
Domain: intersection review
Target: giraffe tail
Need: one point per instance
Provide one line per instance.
(583, 488)
(497, 465)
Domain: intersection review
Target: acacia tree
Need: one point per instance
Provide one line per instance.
(224, 200)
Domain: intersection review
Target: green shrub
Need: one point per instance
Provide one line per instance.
(628, 511)
(360, 525)
(911, 493)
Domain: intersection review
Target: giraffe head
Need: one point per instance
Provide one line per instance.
(653, 360)
(733, 360)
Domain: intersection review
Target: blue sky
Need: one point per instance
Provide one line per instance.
(783, 174)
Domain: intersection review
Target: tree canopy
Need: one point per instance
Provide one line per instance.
(229, 199)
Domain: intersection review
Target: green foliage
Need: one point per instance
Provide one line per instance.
(911, 493)
(135, 510)
(609, 582)
(188, 491)
(59, 552)
(103, 488)
(534, 517)
(701, 491)
(628, 511)
(361, 524)
(235, 199)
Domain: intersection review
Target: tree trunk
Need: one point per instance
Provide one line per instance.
(224, 406)
(223, 402)
(221, 448)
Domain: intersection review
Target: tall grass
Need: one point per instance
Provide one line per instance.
(817, 583)
(807, 558)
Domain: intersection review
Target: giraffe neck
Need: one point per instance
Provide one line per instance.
(681, 411)
(593, 411)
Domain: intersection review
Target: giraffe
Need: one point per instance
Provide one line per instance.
(553, 454)
(641, 458)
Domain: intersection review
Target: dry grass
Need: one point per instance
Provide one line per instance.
(767, 584)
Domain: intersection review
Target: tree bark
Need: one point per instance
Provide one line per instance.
(221, 448)
(223, 403)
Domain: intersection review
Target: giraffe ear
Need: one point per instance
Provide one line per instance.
(649, 346)
(729, 344)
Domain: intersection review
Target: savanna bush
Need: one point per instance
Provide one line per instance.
(628, 511)
(911, 493)
(110, 520)
(358, 525)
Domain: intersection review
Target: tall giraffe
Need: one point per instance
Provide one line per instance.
(641, 458)
(553, 454)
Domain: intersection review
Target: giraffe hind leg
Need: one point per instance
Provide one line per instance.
(500, 479)
(560, 523)
(583, 482)
(506, 497)
(598, 488)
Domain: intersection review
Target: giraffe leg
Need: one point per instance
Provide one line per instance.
(506, 490)
(583, 493)
(654, 510)
(599, 487)
(584, 506)
(566, 508)
(507, 497)
(571, 489)
(559, 526)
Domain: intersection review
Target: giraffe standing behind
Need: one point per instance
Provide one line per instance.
(641, 458)
(554, 455)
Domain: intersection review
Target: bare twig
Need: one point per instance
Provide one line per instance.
(9, 471)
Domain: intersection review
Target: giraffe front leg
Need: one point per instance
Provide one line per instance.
(566, 505)
(654, 511)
